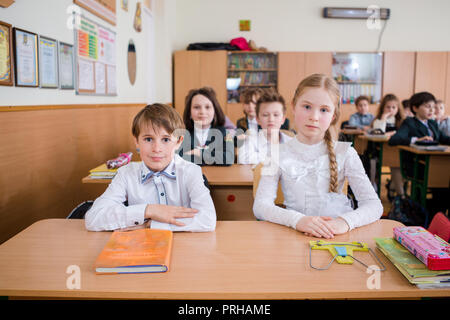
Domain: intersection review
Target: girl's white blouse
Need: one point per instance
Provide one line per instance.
(304, 172)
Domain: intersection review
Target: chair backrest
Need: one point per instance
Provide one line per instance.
(257, 176)
(440, 225)
(80, 211)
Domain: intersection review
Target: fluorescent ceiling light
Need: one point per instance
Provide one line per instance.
(356, 13)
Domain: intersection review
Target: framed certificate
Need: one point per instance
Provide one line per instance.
(6, 56)
(48, 62)
(66, 69)
(26, 58)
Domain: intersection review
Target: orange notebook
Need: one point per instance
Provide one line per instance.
(138, 251)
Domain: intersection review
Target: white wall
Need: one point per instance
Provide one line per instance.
(49, 17)
(297, 25)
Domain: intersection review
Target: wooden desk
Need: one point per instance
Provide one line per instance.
(240, 260)
(430, 170)
(231, 190)
(387, 155)
(352, 133)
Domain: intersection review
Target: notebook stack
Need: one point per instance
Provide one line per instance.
(102, 172)
(420, 256)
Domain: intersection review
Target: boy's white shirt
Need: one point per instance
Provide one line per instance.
(187, 189)
(252, 124)
(256, 147)
(305, 174)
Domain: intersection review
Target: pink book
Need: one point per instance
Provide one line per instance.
(428, 248)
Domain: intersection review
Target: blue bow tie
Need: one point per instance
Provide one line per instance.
(145, 177)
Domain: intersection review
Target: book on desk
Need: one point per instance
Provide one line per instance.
(138, 251)
(102, 172)
(414, 270)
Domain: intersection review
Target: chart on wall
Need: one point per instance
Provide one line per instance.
(96, 58)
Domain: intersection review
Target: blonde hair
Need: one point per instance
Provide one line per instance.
(323, 81)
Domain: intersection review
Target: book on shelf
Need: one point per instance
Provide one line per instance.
(139, 251)
(414, 270)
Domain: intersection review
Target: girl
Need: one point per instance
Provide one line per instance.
(271, 114)
(389, 118)
(441, 118)
(312, 168)
(205, 141)
(390, 115)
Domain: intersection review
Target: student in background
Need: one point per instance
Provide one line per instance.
(441, 118)
(390, 115)
(163, 190)
(206, 141)
(270, 114)
(407, 108)
(249, 98)
(362, 119)
(312, 169)
(389, 118)
(421, 127)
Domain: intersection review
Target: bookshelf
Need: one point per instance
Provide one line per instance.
(254, 69)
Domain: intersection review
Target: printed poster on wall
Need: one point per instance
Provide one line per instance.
(97, 45)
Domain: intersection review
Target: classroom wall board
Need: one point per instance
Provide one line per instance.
(95, 58)
(105, 9)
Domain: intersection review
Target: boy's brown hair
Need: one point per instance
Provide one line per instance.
(270, 95)
(247, 95)
(160, 116)
(361, 98)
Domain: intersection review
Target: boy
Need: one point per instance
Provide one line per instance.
(421, 127)
(270, 114)
(362, 119)
(163, 191)
(249, 98)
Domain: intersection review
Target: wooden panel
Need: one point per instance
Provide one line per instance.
(447, 87)
(291, 70)
(45, 153)
(318, 62)
(233, 203)
(431, 73)
(186, 76)
(398, 74)
(213, 73)
(235, 111)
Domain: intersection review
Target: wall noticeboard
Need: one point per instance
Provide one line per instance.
(95, 58)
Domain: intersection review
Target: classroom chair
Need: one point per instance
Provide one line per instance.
(257, 176)
(80, 211)
(440, 225)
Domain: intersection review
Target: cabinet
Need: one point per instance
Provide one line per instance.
(196, 69)
(294, 67)
(431, 73)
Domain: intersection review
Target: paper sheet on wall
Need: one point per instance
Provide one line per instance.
(111, 79)
(85, 75)
(100, 83)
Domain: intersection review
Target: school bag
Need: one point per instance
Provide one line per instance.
(408, 212)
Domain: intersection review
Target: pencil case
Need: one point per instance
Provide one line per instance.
(428, 248)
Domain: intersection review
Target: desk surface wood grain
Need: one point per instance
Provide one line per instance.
(240, 260)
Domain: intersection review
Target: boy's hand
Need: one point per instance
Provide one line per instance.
(316, 226)
(425, 138)
(168, 214)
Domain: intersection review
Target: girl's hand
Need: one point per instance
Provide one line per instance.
(316, 226)
(339, 225)
(168, 214)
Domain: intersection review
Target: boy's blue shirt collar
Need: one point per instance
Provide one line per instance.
(147, 173)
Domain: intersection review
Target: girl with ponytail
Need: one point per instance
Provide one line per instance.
(312, 169)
